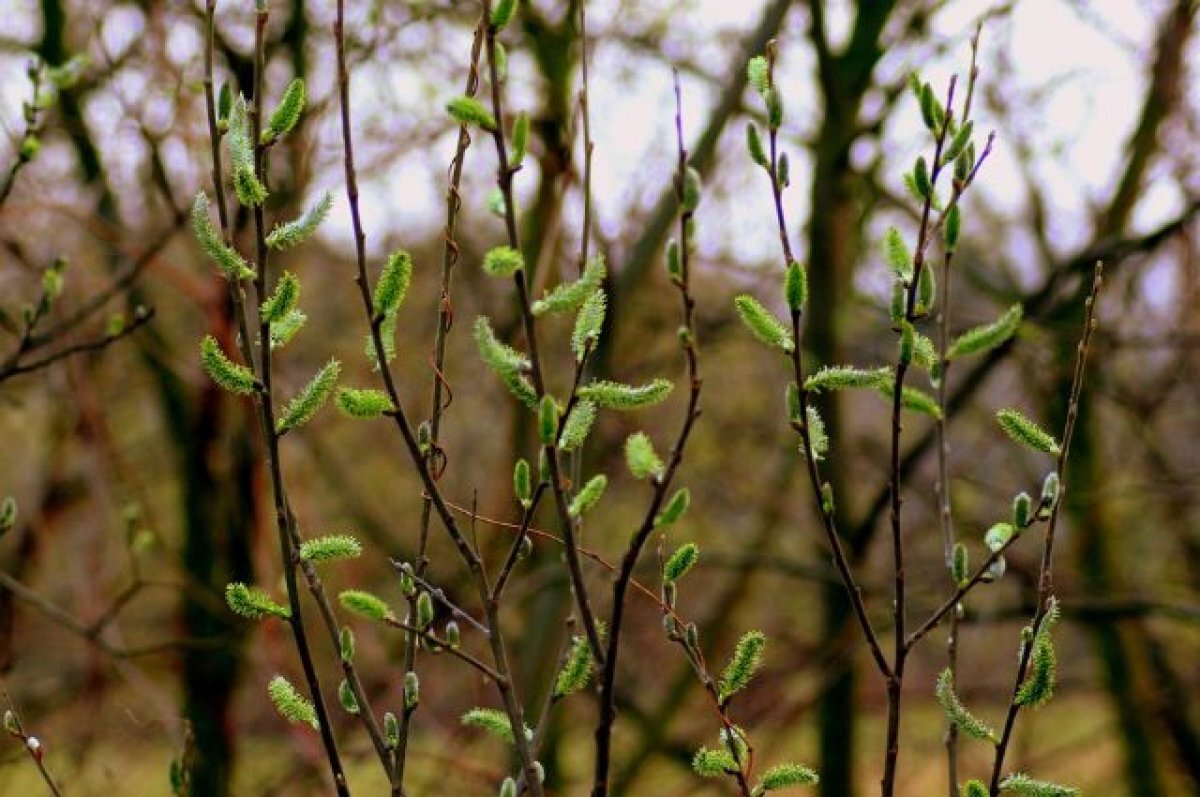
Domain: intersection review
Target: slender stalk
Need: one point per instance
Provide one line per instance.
(608, 712)
(585, 112)
(945, 506)
(439, 399)
(895, 683)
(32, 744)
(813, 468)
(504, 179)
(285, 521)
(1046, 569)
(504, 684)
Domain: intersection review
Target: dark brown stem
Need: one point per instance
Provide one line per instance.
(512, 704)
(828, 521)
(285, 521)
(608, 713)
(1046, 570)
(504, 179)
(945, 506)
(438, 401)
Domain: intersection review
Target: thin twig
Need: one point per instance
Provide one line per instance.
(1046, 570)
(504, 180)
(438, 404)
(512, 704)
(32, 744)
(608, 713)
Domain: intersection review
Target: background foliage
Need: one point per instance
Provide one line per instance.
(139, 482)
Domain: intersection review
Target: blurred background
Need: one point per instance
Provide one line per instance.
(139, 483)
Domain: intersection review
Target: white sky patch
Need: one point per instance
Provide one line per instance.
(1083, 76)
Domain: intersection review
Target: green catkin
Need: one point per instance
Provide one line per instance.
(347, 699)
(282, 301)
(577, 426)
(952, 229)
(746, 660)
(503, 261)
(393, 283)
(229, 375)
(285, 116)
(520, 139)
(763, 324)
(960, 565)
(365, 604)
(680, 562)
(330, 548)
(224, 256)
(692, 190)
(250, 191)
(491, 720)
(988, 336)
(926, 291)
(920, 176)
(570, 296)
(957, 713)
(774, 101)
(998, 536)
(911, 398)
(784, 776)
(1038, 687)
(1025, 432)
(845, 377)
(252, 602)
(795, 287)
(290, 704)
(673, 511)
(896, 253)
(308, 402)
(1022, 785)
(346, 644)
(521, 483)
(713, 763)
(363, 403)
(502, 12)
(818, 439)
(758, 73)
(959, 142)
(589, 324)
(412, 690)
(1022, 511)
(674, 262)
(547, 420)
(588, 496)
(283, 330)
(1049, 500)
(391, 725)
(506, 362)
(754, 145)
(641, 458)
(617, 396)
(424, 610)
(576, 670)
(470, 111)
(975, 788)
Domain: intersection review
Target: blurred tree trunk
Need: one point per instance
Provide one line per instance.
(216, 471)
(1085, 496)
(834, 231)
(219, 511)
